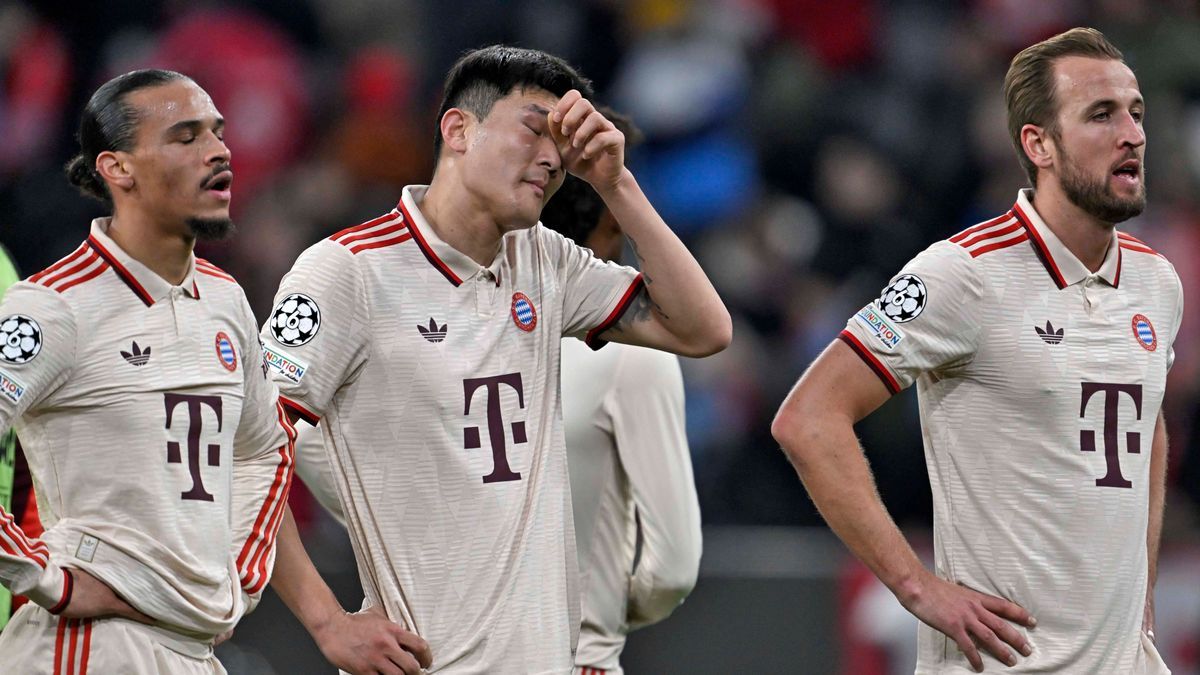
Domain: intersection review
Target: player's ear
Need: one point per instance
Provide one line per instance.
(114, 167)
(1038, 145)
(456, 127)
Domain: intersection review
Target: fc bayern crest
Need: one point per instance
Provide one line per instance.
(904, 299)
(523, 313)
(20, 338)
(1143, 330)
(296, 320)
(225, 352)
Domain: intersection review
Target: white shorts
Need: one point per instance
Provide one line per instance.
(36, 642)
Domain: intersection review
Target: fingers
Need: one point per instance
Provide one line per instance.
(1008, 610)
(603, 142)
(1009, 634)
(417, 646)
(967, 646)
(560, 114)
(991, 642)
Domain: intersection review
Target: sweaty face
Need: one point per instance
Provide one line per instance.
(1100, 141)
(179, 161)
(511, 166)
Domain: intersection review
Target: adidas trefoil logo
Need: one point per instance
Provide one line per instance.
(1050, 336)
(138, 357)
(433, 333)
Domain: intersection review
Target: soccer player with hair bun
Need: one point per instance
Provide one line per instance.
(133, 374)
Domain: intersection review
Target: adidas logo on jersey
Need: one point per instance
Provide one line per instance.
(433, 333)
(1050, 336)
(138, 357)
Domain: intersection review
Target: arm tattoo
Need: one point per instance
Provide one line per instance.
(640, 310)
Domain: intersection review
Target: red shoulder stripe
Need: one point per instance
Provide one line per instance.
(999, 245)
(982, 226)
(380, 243)
(67, 272)
(358, 228)
(993, 234)
(205, 267)
(1132, 243)
(96, 271)
(37, 278)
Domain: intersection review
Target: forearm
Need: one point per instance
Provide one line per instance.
(298, 583)
(681, 297)
(830, 463)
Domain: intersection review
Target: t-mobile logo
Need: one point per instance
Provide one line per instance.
(195, 426)
(1133, 440)
(495, 423)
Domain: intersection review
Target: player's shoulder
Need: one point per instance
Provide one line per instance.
(987, 239)
(1142, 254)
(379, 233)
(71, 277)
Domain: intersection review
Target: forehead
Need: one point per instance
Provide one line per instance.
(1083, 81)
(162, 106)
(528, 98)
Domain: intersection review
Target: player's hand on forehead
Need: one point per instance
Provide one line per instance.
(592, 148)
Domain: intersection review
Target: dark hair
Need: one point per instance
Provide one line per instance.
(575, 210)
(1029, 84)
(483, 76)
(108, 122)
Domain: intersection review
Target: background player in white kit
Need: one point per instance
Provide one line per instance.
(427, 343)
(1040, 343)
(637, 516)
(133, 373)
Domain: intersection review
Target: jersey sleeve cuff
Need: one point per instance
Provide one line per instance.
(872, 361)
(306, 414)
(53, 590)
(593, 336)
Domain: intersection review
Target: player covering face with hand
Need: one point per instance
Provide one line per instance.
(426, 341)
(133, 374)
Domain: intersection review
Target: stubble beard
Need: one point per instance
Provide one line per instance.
(210, 229)
(1095, 197)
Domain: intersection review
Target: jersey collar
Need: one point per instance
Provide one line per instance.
(452, 263)
(145, 283)
(1064, 268)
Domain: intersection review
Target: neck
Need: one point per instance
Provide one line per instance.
(460, 223)
(166, 254)
(1084, 235)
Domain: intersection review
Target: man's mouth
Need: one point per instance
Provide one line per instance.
(219, 184)
(1129, 170)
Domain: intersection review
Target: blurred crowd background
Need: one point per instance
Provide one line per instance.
(803, 149)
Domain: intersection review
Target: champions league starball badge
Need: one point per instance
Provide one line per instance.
(20, 339)
(296, 320)
(904, 299)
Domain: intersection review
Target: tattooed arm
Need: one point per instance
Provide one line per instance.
(678, 310)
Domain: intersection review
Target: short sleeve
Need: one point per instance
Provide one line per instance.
(594, 293)
(260, 427)
(37, 348)
(1178, 291)
(316, 337)
(918, 323)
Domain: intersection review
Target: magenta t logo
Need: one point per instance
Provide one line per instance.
(1087, 437)
(495, 423)
(195, 426)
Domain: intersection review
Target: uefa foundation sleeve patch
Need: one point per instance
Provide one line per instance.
(11, 388)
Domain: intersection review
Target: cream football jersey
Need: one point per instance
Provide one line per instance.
(637, 516)
(159, 452)
(436, 381)
(1039, 385)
